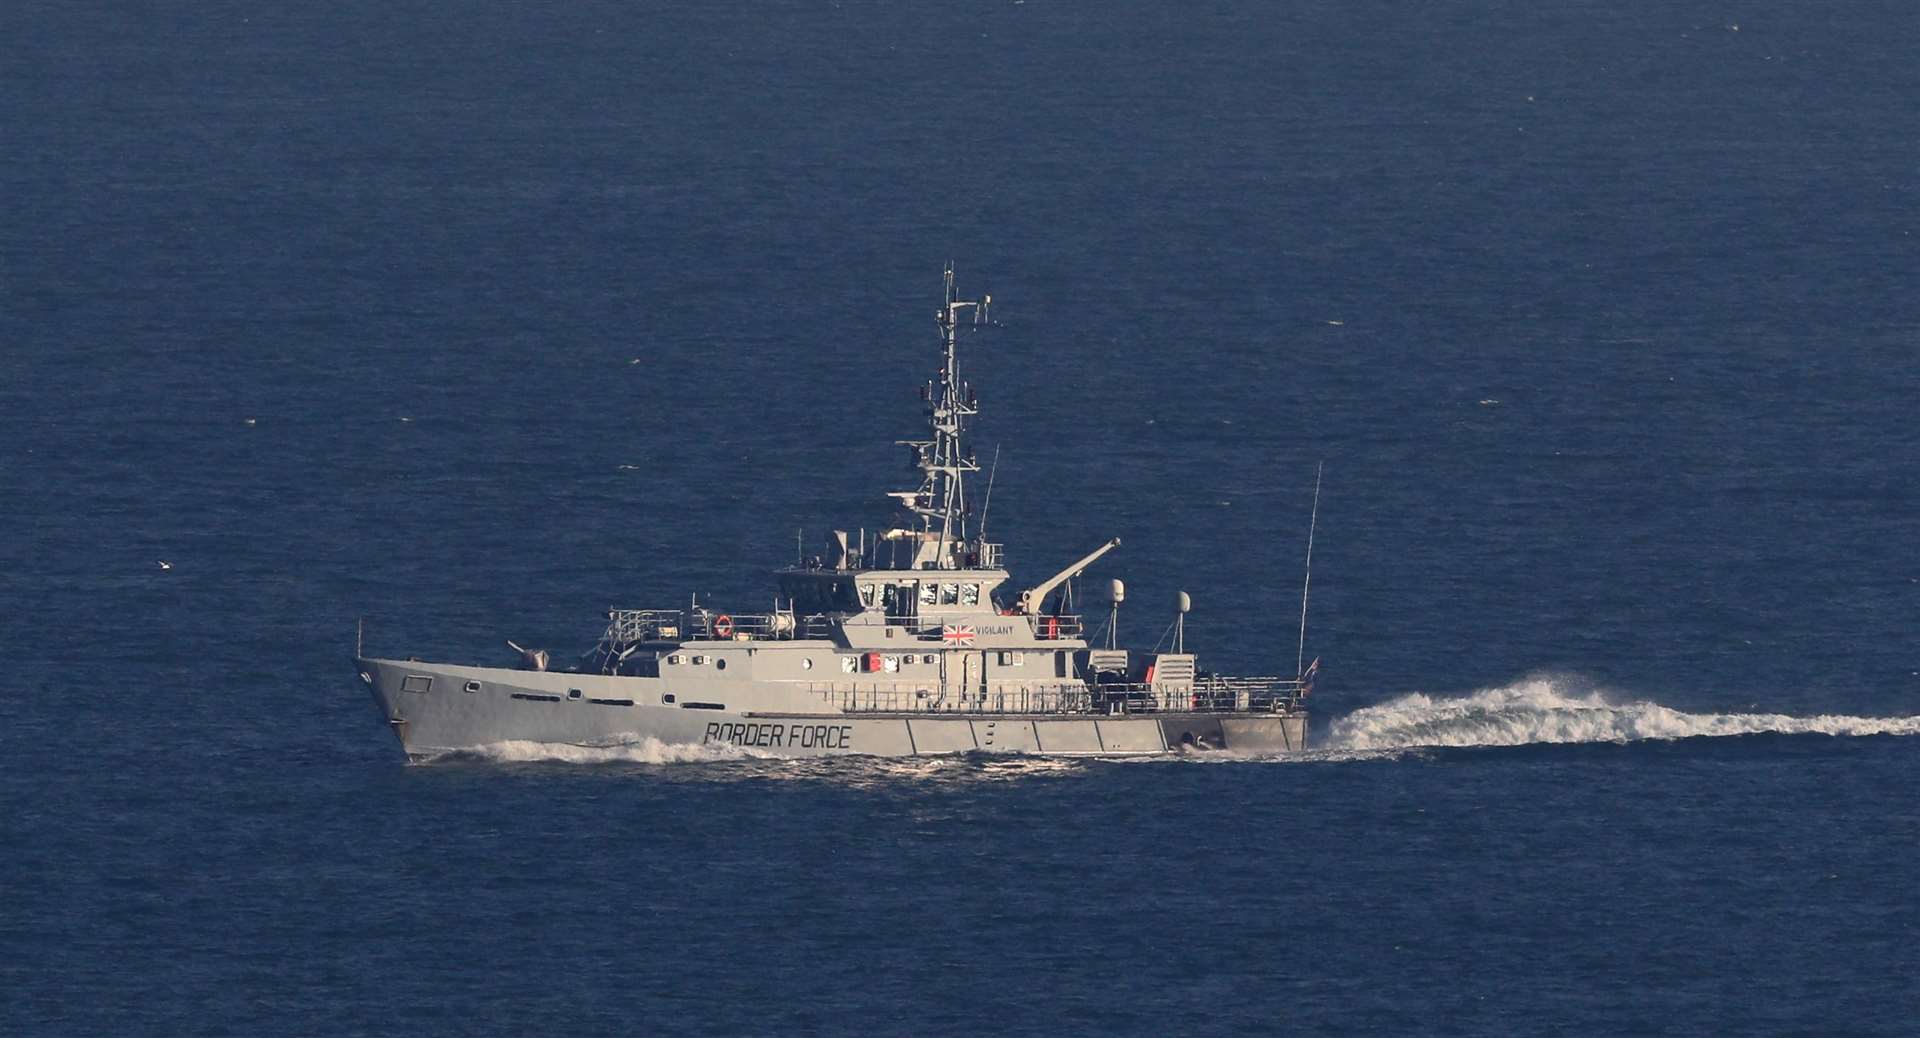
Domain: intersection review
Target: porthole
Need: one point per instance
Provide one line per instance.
(472, 686)
(573, 693)
(849, 664)
(699, 660)
(806, 664)
(667, 698)
(719, 663)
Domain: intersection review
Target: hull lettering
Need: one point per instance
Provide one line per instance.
(770, 736)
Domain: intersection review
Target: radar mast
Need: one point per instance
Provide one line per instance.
(940, 505)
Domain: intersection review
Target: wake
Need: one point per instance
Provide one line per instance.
(1539, 710)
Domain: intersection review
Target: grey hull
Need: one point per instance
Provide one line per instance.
(435, 709)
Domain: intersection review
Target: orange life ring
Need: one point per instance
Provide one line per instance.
(723, 626)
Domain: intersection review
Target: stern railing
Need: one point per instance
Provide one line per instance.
(1208, 695)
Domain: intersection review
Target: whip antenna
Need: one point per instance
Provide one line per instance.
(1301, 659)
(988, 503)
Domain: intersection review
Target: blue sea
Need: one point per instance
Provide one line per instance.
(477, 319)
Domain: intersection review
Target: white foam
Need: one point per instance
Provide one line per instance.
(1541, 710)
(644, 750)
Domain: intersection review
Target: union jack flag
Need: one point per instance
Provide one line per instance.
(961, 634)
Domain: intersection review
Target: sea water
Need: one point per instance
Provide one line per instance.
(477, 322)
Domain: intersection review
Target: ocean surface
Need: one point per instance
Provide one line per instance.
(475, 320)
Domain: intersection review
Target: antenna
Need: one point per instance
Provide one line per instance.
(1300, 661)
(981, 533)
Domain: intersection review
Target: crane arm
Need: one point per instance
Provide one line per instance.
(1030, 599)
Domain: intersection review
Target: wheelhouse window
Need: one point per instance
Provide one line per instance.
(929, 593)
(949, 594)
(813, 593)
(969, 594)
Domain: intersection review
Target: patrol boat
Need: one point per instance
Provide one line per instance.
(912, 642)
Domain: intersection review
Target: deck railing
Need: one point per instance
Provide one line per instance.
(1049, 628)
(1214, 695)
(627, 626)
(860, 697)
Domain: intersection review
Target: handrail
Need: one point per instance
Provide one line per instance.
(1213, 695)
(627, 626)
(1050, 628)
(896, 697)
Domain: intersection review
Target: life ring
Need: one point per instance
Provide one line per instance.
(723, 626)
